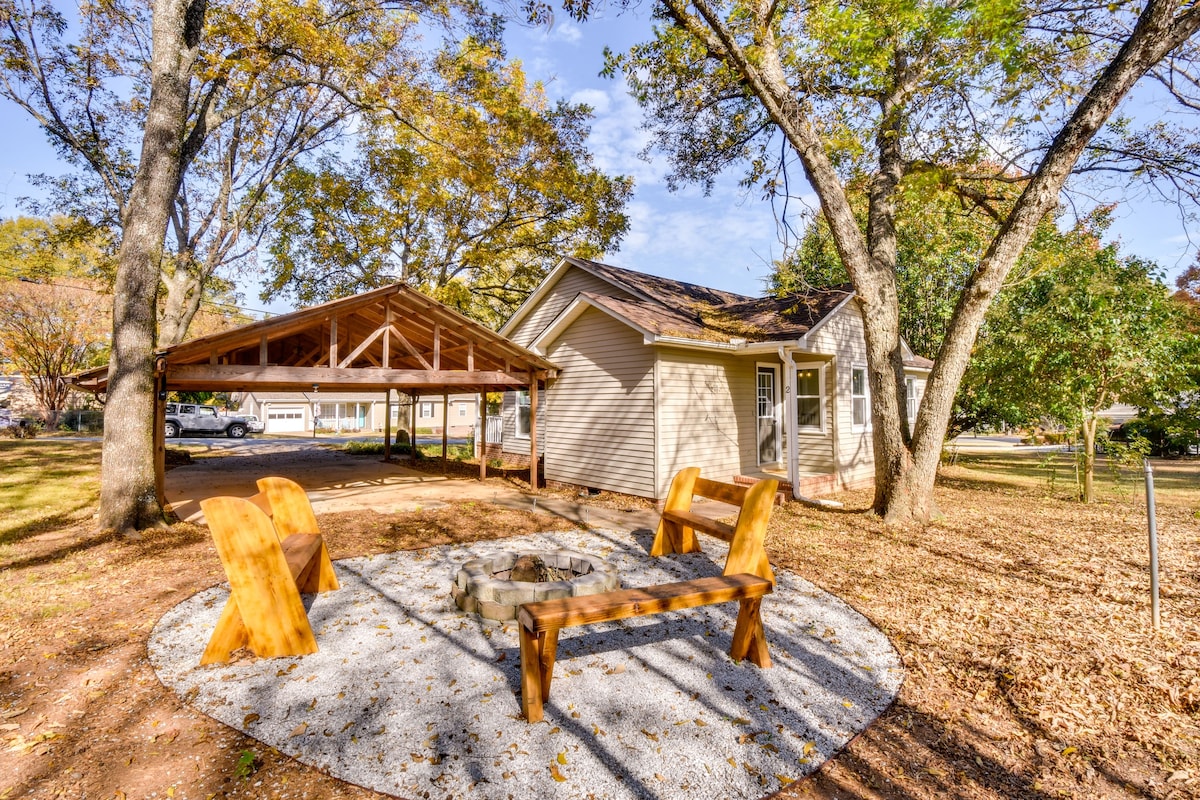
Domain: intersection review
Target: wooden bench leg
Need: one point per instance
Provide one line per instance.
(674, 537)
(749, 640)
(538, 652)
(229, 635)
(318, 575)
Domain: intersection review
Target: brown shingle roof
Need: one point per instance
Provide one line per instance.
(664, 290)
(674, 308)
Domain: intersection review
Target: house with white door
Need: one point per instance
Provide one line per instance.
(657, 374)
(360, 412)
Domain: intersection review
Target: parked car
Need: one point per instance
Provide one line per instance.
(254, 423)
(185, 418)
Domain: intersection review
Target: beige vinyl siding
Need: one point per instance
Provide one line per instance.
(510, 442)
(569, 285)
(706, 414)
(600, 411)
(842, 335)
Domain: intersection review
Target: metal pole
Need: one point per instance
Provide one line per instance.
(1153, 528)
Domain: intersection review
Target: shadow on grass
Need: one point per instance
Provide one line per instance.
(41, 525)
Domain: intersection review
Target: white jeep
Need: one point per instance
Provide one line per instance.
(185, 418)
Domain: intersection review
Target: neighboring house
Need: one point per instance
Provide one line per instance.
(293, 412)
(658, 374)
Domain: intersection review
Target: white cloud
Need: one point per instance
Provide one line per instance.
(719, 241)
(565, 31)
(598, 99)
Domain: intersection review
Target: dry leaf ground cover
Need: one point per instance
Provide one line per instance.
(1022, 617)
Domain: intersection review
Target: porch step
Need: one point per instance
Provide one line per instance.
(783, 495)
(810, 486)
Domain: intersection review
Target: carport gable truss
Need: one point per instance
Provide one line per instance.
(389, 338)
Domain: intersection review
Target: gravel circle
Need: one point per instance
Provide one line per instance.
(410, 696)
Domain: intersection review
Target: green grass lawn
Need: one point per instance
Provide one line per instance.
(46, 484)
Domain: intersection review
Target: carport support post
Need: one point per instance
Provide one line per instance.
(445, 428)
(533, 448)
(387, 425)
(160, 444)
(482, 443)
(412, 428)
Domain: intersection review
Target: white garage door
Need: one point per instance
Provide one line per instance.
(285, 419)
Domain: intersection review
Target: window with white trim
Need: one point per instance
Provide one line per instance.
(910, 398)
(860, 412)
(808, 399)
(523, 414)
(426, 410)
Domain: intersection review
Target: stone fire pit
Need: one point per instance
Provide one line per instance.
(487, 586)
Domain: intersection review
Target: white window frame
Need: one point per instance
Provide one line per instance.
(866, 398)
(426, 410)
(819, 428)
(519, 395)
(911, 401)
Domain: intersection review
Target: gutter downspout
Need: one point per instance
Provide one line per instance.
(789, 419)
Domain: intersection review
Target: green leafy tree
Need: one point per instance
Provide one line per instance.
(941, 235)
(49, 327)
(1071, 341)
(204, 66)
(885, 93)
(473, 205)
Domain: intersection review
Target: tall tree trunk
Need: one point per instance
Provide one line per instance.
(127, 493)
(1088, 457)
(905, 472)
(184, 293)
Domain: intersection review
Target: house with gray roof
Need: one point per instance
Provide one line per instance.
(656, 375)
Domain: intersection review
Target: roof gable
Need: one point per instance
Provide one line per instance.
(390, 338)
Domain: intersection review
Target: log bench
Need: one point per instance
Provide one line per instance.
(272, 551)
(747, 578)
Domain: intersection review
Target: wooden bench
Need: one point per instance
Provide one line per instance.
(678, 525)
(272, 551)
(747, 578)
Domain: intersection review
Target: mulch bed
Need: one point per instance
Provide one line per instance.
(1022, 618)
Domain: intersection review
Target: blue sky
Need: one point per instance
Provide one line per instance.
(726, 240)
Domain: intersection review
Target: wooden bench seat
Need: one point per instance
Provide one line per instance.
(747, 579)
(699, 522)
(272, 551)
(540, 623)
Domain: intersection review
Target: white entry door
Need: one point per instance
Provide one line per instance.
(767, 407)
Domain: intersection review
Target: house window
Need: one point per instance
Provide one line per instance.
(523, 414)
(858, 397)
(462, 410)
(910, 398)
(426, 410)
(808, 398)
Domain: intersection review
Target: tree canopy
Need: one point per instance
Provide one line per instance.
(889, 96)
(472, 202)
(1092, 330)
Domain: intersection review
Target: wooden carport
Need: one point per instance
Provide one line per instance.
(393, 338)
